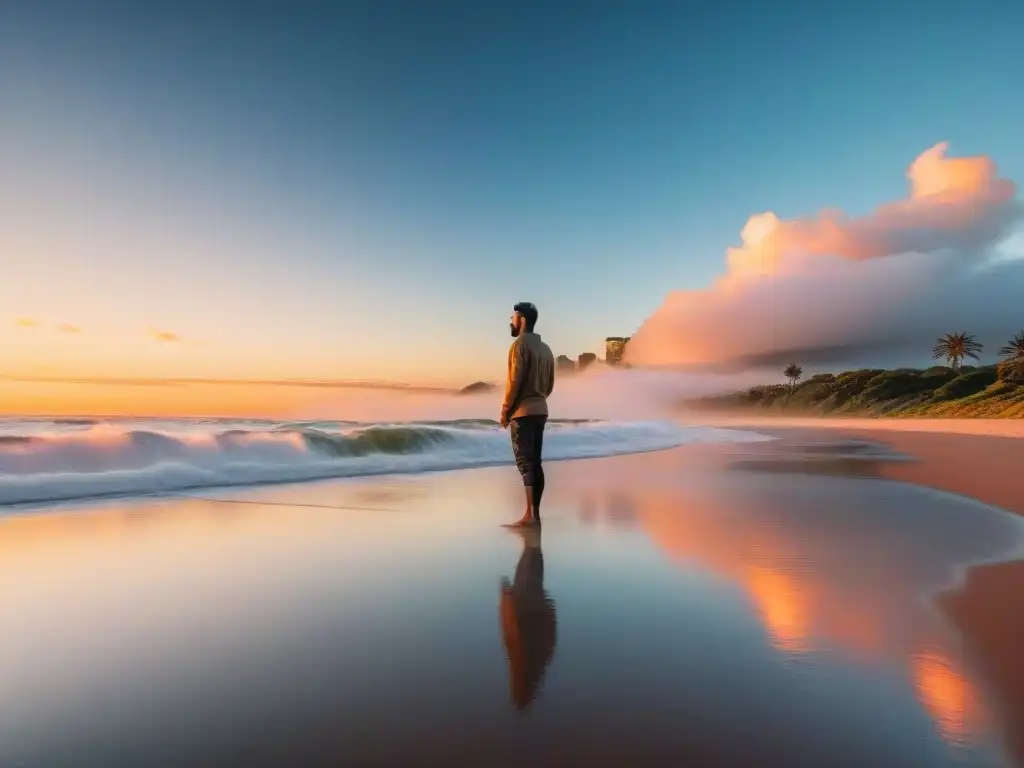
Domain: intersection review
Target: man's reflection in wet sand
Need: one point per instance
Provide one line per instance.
(527, 621)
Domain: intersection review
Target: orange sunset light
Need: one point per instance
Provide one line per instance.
(45, 399)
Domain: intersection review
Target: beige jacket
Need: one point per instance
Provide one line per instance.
(531, 377)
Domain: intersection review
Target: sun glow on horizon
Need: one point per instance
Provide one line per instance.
(35, 399)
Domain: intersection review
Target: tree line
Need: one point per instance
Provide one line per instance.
(954, 348)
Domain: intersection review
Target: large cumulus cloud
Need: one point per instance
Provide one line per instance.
(836, 289)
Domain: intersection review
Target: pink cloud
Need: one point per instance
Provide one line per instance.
(839, 282)
(68, 328)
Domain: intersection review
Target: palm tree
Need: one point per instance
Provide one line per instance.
(954, 347)
(1013, 354)
(793, 372)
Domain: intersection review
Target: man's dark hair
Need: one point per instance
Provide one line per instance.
(529, 313)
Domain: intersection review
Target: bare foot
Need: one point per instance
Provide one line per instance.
(526, 522)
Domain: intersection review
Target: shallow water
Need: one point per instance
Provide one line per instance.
(672, 612)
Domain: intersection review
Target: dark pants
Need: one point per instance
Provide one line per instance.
(527, 446)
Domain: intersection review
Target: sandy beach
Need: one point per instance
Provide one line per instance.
(804, 601)
(977, 458)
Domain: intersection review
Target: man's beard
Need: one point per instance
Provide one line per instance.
(514, 329)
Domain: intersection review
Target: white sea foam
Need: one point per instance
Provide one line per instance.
(48, 461)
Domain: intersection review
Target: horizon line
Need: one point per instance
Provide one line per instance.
(183, 381)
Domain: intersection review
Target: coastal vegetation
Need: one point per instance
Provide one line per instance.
(1012, 366)
(954, 347)
(794, 373)
(953, 390)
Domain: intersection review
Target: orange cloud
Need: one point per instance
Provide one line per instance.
(28, 322)
(165, 336)
(834, 282)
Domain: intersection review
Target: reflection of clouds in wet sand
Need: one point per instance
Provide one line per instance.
(781, 608)
(614, 509)
(527, 621)
(620, 511)
(838, 567)
(815, 587)
(949, 696)
(989, 609)
(588, 509)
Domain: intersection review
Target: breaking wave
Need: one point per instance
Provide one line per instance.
(72, 459)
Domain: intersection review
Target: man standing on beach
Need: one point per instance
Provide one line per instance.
(531, 377)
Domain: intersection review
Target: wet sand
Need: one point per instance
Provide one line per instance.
(711, 605)
(978, 458)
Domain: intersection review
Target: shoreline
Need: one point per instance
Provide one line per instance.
(1009, 427)
(977, 459)
(973, 458)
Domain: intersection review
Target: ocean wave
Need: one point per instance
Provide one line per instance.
(113, 459)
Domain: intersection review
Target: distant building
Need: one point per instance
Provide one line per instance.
(564, 365)
(584, 361)
(615, 348)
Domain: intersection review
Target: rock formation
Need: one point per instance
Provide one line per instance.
(477, 387)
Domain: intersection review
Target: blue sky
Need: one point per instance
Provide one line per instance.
(363, 190)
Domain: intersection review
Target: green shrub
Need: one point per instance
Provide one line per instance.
(966, 384)
(1011, 372)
